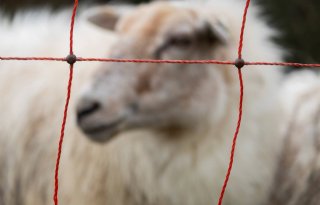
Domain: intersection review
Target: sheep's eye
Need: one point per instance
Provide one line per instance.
(177, 41)
(180, 41)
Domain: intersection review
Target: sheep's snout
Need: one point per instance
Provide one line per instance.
(88, 115)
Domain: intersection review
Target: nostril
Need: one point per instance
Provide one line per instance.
(86, 109)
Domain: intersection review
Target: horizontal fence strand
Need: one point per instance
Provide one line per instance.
(79, 59)
(286, 64)
(31, 59)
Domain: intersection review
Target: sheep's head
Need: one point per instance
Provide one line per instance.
(155, 96)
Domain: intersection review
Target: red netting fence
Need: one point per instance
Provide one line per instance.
(71, 59)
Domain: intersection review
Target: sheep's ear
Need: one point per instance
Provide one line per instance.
(107, 16)
(215, 31)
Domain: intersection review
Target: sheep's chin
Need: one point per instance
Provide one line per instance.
(103, 133)
(102, 137)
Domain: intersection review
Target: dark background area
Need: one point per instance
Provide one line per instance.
(297, 21)
(13, 5)
(299, 24)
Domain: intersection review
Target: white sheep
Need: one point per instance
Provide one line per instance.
(169, 127)
(297, 178)
(34, 95)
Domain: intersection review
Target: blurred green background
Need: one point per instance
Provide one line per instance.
(297, 21)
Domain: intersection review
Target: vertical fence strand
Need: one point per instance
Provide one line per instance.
(244, 19)
(234, 142)
(65, 113)
(74, 12)
(64, 120)
(235, 137)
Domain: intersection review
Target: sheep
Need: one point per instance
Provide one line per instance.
(297, 178)
(34, 98)
(162, 131)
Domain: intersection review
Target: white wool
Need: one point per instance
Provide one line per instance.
(34, 95)
(300, 164)
(296, 85)
(125, 171)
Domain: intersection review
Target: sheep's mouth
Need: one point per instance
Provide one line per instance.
(104, 132)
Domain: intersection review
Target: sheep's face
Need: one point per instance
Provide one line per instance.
(155, 96)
